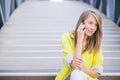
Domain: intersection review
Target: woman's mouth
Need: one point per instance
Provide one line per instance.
(90, 31)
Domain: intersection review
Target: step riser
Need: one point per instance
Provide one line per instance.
(34, 63)
(50, 78)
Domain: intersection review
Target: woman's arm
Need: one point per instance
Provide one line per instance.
(77, 63)
(90, 72)
(77, 58)
(80, 37)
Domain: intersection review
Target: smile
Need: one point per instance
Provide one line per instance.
(90, 31)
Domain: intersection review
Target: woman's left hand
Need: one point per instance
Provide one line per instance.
(77, 63)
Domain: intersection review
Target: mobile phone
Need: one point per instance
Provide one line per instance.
(83, 24)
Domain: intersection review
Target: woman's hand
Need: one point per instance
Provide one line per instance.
(80, 32)
(77, 63)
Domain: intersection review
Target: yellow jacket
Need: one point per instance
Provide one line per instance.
(91, 60)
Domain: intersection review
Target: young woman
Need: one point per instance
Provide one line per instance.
(82, 58)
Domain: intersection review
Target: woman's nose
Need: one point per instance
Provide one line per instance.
(93, 27)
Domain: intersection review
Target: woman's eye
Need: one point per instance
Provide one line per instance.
(90, 22)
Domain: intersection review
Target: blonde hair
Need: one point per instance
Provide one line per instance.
(94, 41)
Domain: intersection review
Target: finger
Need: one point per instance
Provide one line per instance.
(82, 23)
(81, 26)
(84, 30)
(75, 66)
(77, 60)
(78, 63)
(78, 66)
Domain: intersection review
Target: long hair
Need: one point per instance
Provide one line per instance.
(94, 41)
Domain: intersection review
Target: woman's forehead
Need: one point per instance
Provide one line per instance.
(91, 18)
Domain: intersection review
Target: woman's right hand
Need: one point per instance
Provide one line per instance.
(80, 32)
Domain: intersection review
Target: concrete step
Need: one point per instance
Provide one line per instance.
(49, 31)
(29, 47)
(36, 63)
(50, 53)
(31, 41)
(111, 53)
(38, 36)
(33, 53)
(52, 27)
(111, 47)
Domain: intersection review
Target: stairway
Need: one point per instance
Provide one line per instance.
(30, 42)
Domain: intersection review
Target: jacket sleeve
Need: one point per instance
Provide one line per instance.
(67, 49)
(98, 62)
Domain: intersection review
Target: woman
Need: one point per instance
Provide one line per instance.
(82, 58)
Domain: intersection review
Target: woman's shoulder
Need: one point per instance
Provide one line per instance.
(65, 35)
(68, 38)
(68, 34)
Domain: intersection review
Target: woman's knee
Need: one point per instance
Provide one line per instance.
(78, 75)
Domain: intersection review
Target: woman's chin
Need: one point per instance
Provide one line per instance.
(89, 34)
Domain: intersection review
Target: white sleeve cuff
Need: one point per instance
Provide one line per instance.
(98, 69)
(69, 59)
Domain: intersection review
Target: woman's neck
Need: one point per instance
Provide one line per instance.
(84, 42)
(85, 38)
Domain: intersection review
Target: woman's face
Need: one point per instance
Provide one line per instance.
(90, 25)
